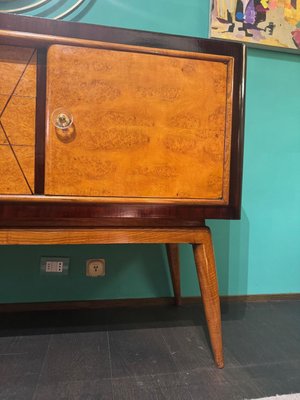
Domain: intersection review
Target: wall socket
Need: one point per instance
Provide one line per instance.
(54, 265)
(95, 267)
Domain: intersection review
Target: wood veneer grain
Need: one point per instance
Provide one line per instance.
(139, 120)
(207, 276)
(105, 236)
(30, 31)
(17, 119)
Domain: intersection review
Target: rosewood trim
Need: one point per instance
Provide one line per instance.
(40, 120)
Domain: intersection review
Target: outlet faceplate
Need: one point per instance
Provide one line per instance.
(55, 265)
(95, 267)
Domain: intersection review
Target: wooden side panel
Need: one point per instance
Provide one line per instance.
(145, 125)
(17, 119)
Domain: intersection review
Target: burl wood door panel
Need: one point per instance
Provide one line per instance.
(17, 119)
(149, 125)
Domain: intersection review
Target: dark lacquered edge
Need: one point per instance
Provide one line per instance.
(47, 214)
(39, 176)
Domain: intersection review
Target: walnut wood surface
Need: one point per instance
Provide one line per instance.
(102, 236)
(206, 270)
(12, 180)
(139, 120)
(17, 119)
(174, 264)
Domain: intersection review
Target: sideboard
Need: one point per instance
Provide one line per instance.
(112, 135)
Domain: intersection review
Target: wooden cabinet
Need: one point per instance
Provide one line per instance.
(157, 136)
(153, 145)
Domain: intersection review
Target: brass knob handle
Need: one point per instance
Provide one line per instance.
(64, 127)
(62, 119)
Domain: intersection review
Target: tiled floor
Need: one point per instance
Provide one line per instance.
(150, 353)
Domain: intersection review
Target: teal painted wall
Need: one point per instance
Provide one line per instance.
(258, 254)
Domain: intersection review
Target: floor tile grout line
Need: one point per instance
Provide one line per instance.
(110, 364)
(172, 356)
(42, 367)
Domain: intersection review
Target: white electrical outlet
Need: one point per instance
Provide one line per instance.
(95, 267)
(54, 265)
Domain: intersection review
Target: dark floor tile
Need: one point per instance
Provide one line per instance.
(76, 356)
(173, 393)
(158, 387)
(155, 353)
(21, 356)
(75, 390)
(246, 342)
(283, 378)
(217, 384)
(162, 380)
(130, 389)
(139, 352)
(211, 391)
(151, 317)
(282, 371)
(201, 384)
(18, 387)
(272, 387)
(189, 347)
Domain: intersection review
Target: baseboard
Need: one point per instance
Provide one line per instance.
(159, 301)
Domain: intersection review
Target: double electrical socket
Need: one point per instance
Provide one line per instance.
(55, 265)
(95, 267)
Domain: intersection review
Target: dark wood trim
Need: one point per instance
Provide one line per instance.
(261, 298)
(237, 143)
(137, 303)
(40, 119)
(20, 214)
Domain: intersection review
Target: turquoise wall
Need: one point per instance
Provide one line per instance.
(258, 254)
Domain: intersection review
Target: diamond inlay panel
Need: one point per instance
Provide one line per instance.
(3, 101)
(17, 117)
(2, 137)
(27, 84)
(25, 156)
(12, 180)
(18, 120)
(13, 62)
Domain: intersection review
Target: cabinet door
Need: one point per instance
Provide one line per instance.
(149, 125)
(17, 119)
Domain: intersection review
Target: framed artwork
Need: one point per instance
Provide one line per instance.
(45, 8)
(274, 23)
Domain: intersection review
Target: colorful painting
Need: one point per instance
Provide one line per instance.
(261, 22)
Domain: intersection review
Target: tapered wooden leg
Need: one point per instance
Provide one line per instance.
(173, 258)
(206, 270)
